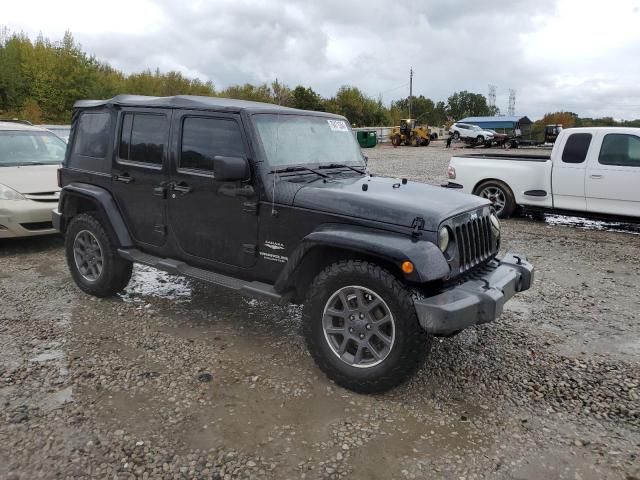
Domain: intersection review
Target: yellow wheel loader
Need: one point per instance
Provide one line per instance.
(408, 133)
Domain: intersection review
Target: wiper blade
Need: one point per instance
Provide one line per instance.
(299, 168)
(342, 165)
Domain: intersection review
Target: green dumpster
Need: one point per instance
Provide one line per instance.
(367, 138)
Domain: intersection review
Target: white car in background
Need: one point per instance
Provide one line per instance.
(466, 131)
(29, 160)
(62, 131)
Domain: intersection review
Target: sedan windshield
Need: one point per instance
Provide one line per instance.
(30, 148)
(306, 140)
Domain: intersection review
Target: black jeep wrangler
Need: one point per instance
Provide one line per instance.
(278, 203)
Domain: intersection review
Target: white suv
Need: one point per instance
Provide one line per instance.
(467, 131)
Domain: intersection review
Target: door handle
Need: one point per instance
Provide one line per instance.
(124, 178)
(160, 191)
(181, 187)
(597, 177)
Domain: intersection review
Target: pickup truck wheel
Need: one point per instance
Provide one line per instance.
(500, 196)
(93, 259)
(361, 327)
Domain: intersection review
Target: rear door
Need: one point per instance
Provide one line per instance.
(211, 220)
(569, 170)
(140, 173)
(613, 177)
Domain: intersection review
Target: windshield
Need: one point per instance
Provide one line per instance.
(29, 148)
(61, 131)
(306, 140)
(475, 127)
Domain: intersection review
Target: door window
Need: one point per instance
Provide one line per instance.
(204, 138)
(620, 149)
(143, 138)
(576, 148)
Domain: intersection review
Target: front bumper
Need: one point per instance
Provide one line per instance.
(25, 218)
(476, 301)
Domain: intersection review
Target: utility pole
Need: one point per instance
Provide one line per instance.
(410, 89)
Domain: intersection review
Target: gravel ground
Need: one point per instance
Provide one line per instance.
(177, 379)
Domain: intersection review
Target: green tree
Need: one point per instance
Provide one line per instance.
(467, 104)
(306, 99)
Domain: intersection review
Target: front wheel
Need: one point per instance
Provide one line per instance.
(395, 140)
(500, 196)
(480, 140)
(361, 327)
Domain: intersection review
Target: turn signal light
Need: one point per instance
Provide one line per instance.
(407, 267)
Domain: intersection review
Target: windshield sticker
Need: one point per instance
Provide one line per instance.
(338, 125)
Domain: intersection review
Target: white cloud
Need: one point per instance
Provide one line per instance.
(557, 54)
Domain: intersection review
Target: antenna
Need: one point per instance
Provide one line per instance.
(512, 102)
(410, 89)
(492, 96)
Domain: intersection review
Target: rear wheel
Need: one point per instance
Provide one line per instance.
(395, 140)
(93, 259)
(500, 196)
(361, 327)
(456, 135)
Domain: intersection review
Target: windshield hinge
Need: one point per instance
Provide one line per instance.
(417, 225)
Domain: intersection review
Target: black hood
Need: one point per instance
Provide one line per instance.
(386, 200)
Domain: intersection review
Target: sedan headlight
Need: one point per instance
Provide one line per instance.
(495, 225)
(443, 239)
(7, 193)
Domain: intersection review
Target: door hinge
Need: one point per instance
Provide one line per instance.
(417, 225)
(250, 207)
(249, 248)
(161, 229)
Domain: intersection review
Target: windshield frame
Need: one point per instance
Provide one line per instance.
(262, 151)
(33, 133)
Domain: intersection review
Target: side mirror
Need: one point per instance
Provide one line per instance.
(230, 169)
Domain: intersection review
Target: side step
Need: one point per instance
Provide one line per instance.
(180, 268)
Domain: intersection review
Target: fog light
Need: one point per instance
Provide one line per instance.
(407, 267)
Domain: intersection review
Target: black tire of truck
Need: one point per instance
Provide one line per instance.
(502, 190)
(395, 140)
(409, 347)
(110, 273)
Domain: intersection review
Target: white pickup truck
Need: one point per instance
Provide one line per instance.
(591, 172)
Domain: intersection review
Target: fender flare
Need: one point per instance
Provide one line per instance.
(107, 205)
(428, 260)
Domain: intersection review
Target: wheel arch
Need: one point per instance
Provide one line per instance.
(331, 243)
(78, 198)
(476, 187)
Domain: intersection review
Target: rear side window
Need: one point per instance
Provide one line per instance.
(576, 148)
(143, 138)
(92, 134)
(204, 138)
(620, 149)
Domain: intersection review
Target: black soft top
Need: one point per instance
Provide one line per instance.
(197, 103)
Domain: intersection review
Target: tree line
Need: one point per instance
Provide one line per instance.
(41, 79)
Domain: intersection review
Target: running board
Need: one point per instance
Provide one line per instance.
(180, 268)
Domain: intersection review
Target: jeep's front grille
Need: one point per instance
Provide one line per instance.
(474, 241)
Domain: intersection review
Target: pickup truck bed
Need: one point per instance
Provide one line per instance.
(507, 156)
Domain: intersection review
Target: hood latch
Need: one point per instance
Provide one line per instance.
(417, 224)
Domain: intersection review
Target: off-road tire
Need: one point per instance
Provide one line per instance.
(416, 141)
(411, 345)
(426, 142)
(395, 140)
(116, 271)
(510, 202)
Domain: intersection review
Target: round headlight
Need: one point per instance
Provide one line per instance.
(443, 239)
(495, 224)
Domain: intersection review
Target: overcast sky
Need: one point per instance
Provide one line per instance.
(576, 55)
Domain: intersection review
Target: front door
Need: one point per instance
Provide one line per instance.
(139, 173)
(613, 176)
(211, 220)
